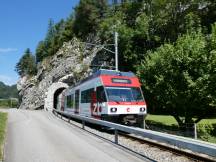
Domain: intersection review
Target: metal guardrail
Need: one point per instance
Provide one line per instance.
(178, 141)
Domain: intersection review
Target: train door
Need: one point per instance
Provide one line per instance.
(93, 106)
(98, 99)
(77, 94)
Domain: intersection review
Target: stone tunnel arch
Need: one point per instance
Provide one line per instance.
(51, 96)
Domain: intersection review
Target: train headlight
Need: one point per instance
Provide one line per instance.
(113, 109)
(142, 109)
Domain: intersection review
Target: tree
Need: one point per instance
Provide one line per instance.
(50, 38)
(88, 15)
(45, 48)
(67, 33)
(41, 51)
(27, 64)
(179, 78)
(133, 28)
(51, 31)
(56, 35)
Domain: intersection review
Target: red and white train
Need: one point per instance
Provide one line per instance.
(107, 95)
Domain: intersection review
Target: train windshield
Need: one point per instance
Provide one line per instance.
(123, 94)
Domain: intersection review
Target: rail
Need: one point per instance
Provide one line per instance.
(180, 142)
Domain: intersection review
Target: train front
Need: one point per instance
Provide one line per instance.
(125, 101)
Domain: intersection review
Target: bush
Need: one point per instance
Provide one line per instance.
(207, 132)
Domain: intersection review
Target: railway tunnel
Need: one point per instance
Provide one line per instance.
(56, 94)
(53, 91)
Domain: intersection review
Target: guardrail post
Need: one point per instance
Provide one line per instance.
(116, 136)
(195, 131)
(83, 124)
(144, 124)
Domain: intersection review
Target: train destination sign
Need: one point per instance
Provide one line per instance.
(118, 80)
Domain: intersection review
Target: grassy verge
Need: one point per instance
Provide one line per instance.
(169, 120)
(3, 120)
(206, 128)
(163, 119)
(8, 103)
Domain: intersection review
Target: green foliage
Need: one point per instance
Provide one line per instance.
(88, 15)
(207, 132)
(142, 25)
(41, 51)
(66, 33)
(146, 25)
(52, 41)
(56, 35)
(178, 78)
(27, 64)
(3, 120)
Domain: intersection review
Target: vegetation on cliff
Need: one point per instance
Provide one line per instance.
(27, 64)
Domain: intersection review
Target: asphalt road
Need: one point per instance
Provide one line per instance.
(38, 136)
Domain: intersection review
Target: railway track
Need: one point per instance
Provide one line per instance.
(145, 147)
(174, 150)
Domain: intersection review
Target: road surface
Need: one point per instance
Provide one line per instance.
(39, 136)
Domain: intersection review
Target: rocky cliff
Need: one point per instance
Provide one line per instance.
(73, 62)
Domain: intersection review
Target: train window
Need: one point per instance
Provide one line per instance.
(137, 94)
(124, 94)
(70, 101)
(86, 95)
(101, 96)
(77, 94)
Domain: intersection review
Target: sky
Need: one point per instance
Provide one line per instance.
(23, 23)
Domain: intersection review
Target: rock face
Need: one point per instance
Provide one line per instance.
(70, 64)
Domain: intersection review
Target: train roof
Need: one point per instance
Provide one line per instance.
(113, 73)
(107, 72)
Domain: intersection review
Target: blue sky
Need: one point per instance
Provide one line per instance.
(23, 23)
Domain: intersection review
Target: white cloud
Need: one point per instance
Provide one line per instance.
(6, 50)
(7, 80)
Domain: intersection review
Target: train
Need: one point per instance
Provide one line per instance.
(109, 95)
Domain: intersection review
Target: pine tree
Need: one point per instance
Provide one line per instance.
(88, 15)
(27, 64)
(67, 33)
(41, 51)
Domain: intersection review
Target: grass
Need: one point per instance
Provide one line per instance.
(169, 120)
(7, 103)
(208, 121)
(206, 128)
(164, 119)
(3, 120)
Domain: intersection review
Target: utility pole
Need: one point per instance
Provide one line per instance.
(113, 52)
(116, 51)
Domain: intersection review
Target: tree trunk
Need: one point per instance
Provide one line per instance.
(179, 121)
